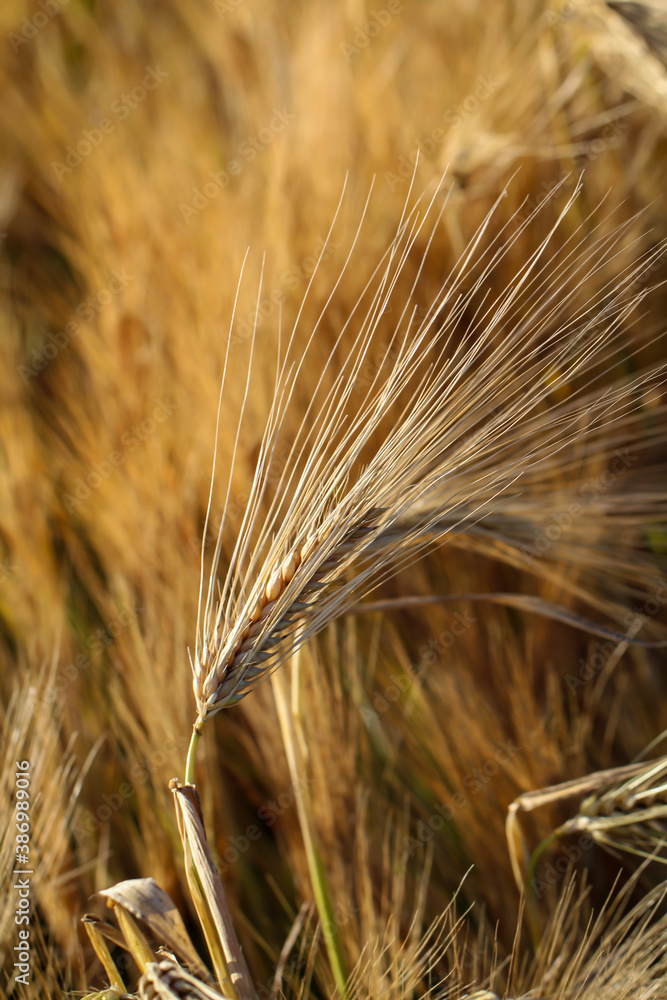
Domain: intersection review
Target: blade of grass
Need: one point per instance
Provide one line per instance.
(318, 878)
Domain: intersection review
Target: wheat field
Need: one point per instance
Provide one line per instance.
(333, 425)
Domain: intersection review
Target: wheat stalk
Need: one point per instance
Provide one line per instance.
(460, 434)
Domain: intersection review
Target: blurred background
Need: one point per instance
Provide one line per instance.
(145, 147)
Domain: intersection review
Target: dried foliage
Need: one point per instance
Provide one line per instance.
(450, 390)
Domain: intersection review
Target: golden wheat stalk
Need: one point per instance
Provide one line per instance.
(463, 408)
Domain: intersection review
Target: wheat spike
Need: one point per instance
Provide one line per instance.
(464, 411)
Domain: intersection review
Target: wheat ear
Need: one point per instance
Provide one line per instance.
(464, 412)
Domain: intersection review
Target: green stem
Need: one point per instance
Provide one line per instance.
(325, 910)
(190, 761)
(537, 854)
(534, 915)
(315, 867)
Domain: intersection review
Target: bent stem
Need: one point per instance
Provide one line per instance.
(213, 935)
(537, 854)
(315, 866)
